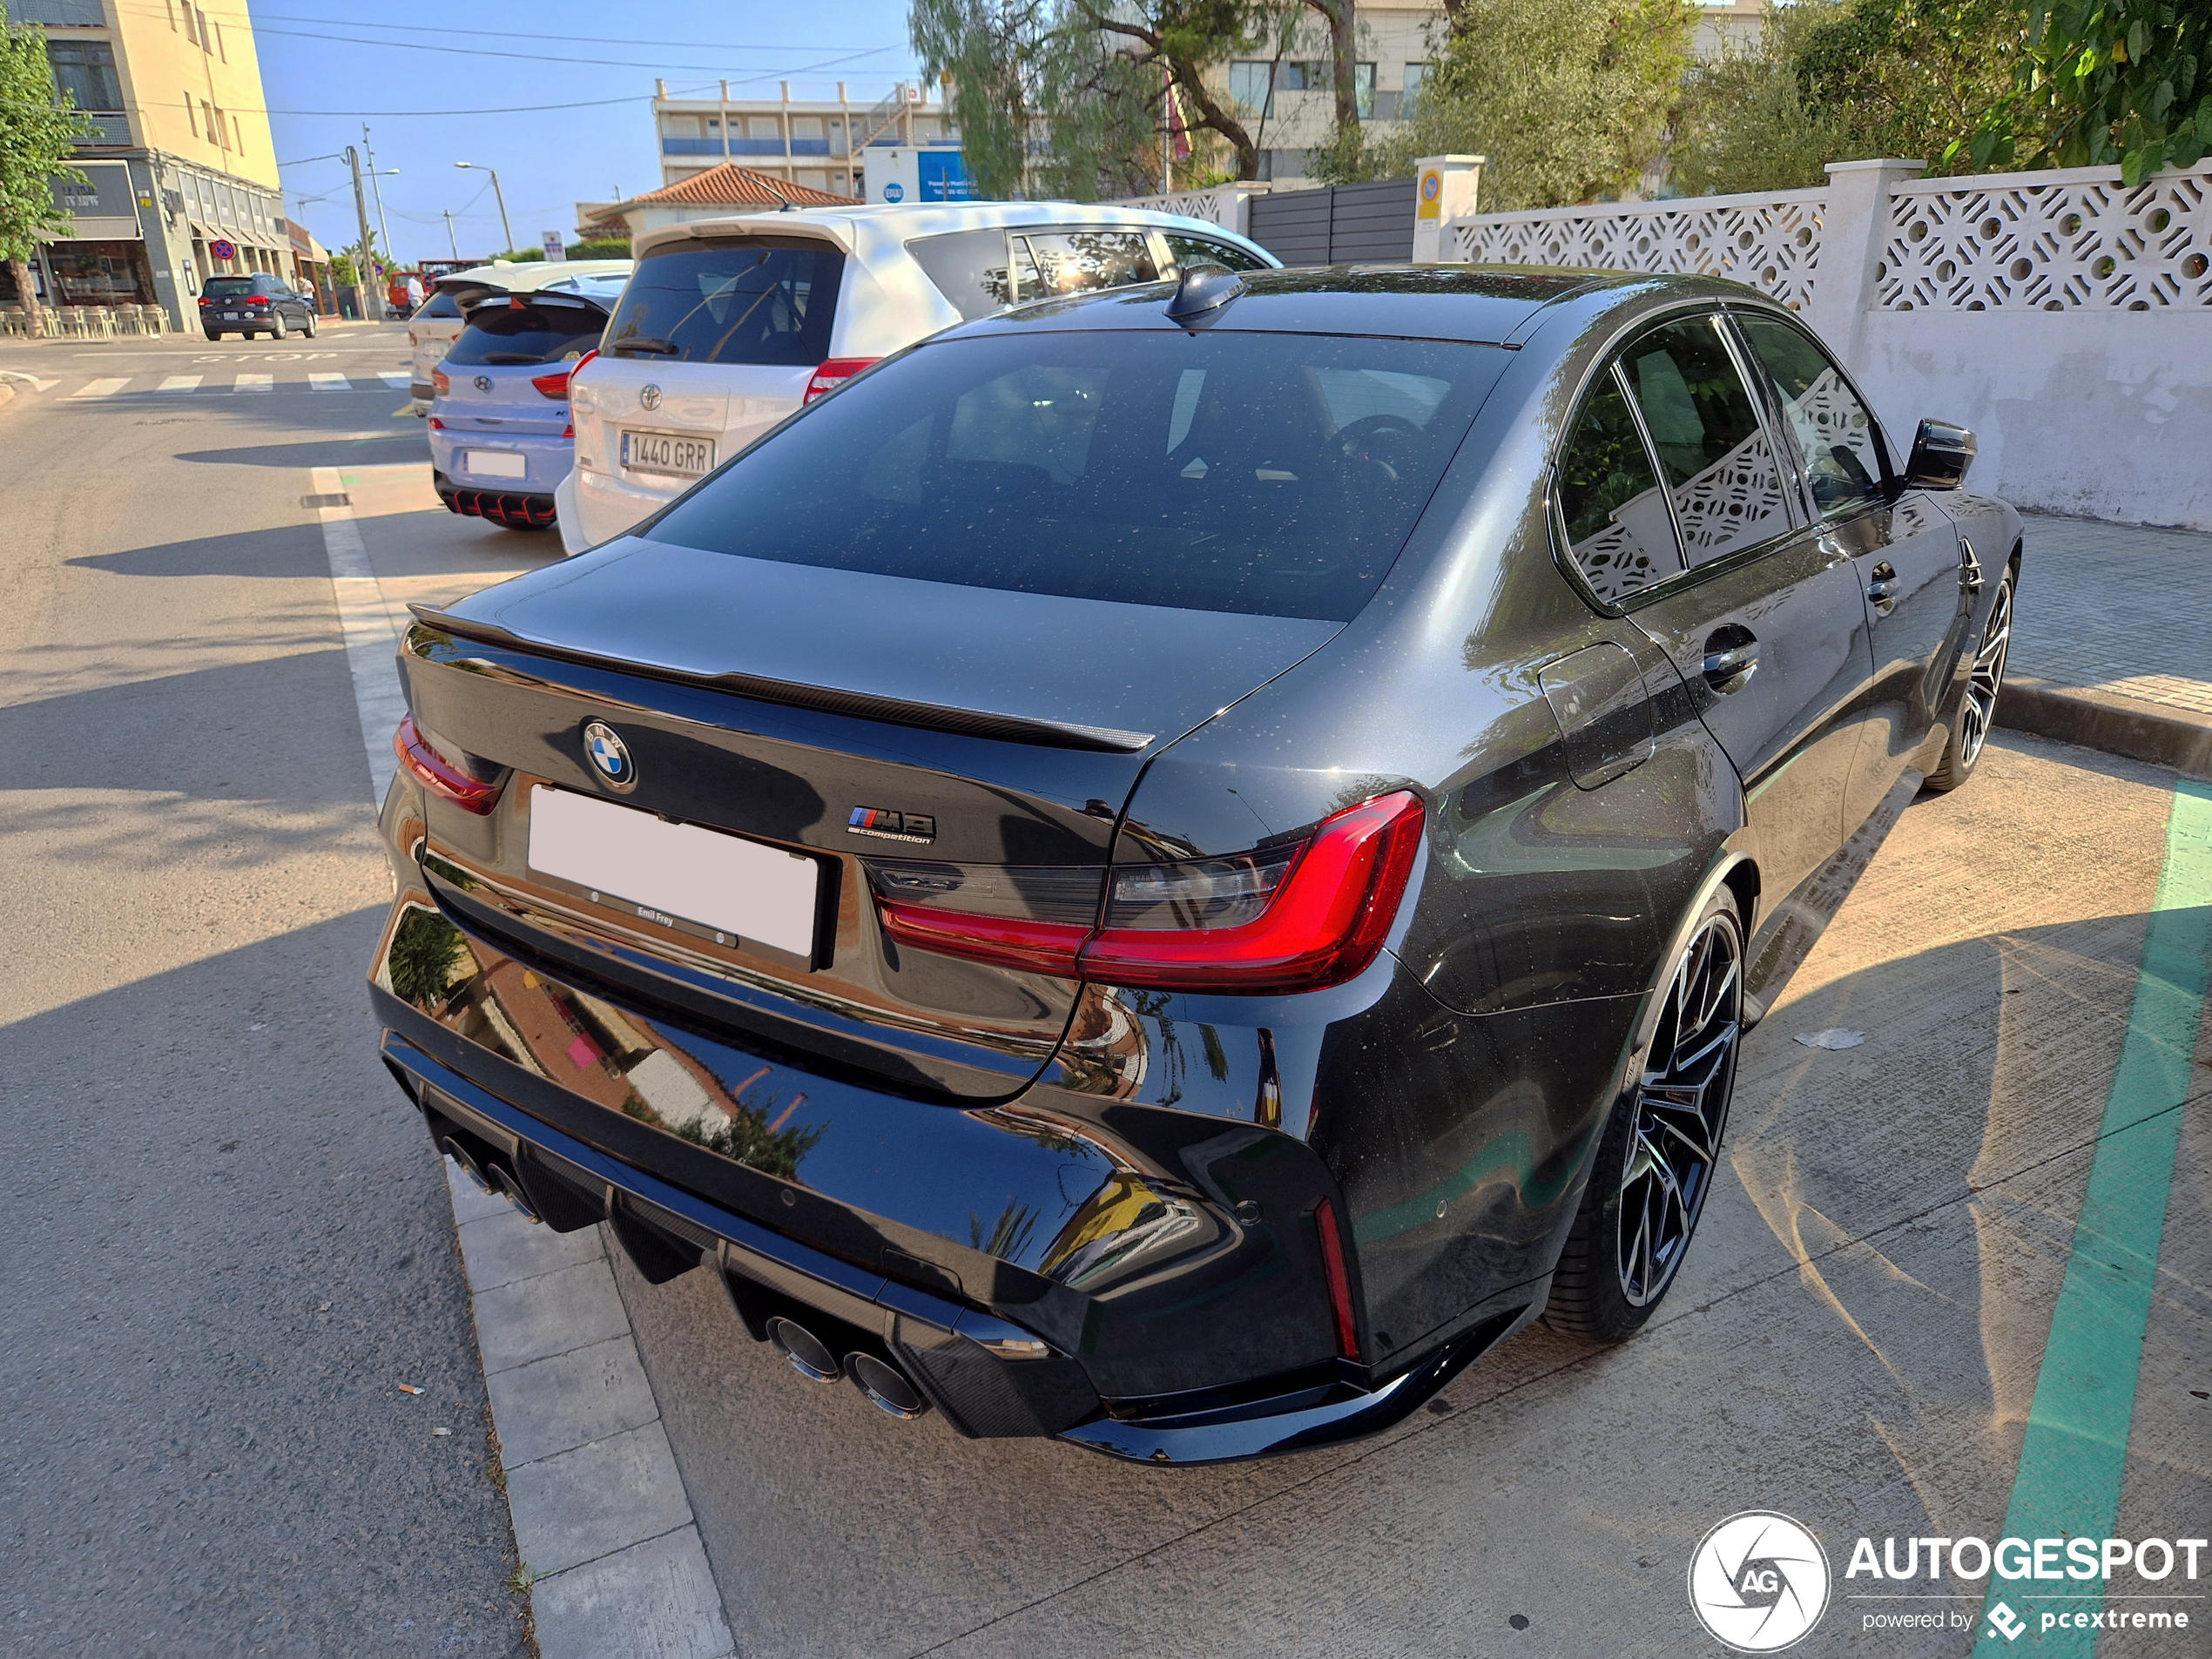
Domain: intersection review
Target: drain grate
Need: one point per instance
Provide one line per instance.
(326, 501)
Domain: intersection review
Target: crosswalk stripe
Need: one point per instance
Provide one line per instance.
(326, 382)
(103, 388)
(255, 383)
(179, 383)
(393, 379)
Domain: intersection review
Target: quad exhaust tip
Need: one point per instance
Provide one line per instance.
(886, 1387)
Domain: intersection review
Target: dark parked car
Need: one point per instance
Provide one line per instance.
(259, 304)
(1167, 868)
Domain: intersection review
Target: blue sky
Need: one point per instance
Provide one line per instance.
(549, 160)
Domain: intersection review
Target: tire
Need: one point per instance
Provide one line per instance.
(1977, 710)
(276, 324)
(1639, 1211)
(213, 333)
(309, 326)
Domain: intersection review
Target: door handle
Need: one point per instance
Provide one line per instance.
(1882, 591)
(1731, 668)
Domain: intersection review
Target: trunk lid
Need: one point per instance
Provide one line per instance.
(775, 703)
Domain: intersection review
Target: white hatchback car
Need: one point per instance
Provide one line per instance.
(728, 325)
(431, 330)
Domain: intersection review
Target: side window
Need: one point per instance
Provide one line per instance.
(1713, 451)
(1056, 262)
(969, 267)
(1196, 250)
(1617, 529)
(1835, 433)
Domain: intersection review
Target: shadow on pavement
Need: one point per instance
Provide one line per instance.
(288, 551)
(230, 1243)
(353, 450)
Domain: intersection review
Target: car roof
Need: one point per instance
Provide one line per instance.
(874, 228)
(520, 276)
(1493, 305)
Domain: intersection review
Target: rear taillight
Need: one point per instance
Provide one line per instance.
(436, 425)
(556, 385)
(440, 382)
(439, 775)
(569, 431)
(1297, 917)
(205, 301)
(833, 374)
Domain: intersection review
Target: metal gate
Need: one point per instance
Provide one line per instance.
(1337, 224)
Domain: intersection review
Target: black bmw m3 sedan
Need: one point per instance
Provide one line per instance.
(1166, 868)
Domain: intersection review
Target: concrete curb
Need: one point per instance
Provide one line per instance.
(2110, 722)
(601, 1518)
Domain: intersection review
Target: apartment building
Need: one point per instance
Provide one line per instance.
(179, 159)
(1288, 103)
(818, 143)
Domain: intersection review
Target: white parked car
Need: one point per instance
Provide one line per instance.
(728, 325)
(433, 328)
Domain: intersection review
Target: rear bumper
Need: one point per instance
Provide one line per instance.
(509, 506)
(1201, 1333)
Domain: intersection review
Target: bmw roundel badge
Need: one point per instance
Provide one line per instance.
(609, 755)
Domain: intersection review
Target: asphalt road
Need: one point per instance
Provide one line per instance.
(227, 1243)
(210, 1154)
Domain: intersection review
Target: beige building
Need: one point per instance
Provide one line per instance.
(178, 161)
(1288, 104)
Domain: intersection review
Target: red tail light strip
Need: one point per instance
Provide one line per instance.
(556, 385)
(439, 776)
(1339, 1279)
(1326, 922)
(832, 373)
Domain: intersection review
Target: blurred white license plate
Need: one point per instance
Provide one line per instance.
(675, 872)
(667, 452)
(495, 464)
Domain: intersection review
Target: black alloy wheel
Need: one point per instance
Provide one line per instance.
(1660, 1150)
(1978, 702)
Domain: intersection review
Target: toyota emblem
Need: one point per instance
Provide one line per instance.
(483, 383)
(649, 398)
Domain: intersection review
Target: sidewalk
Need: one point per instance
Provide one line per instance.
(2111, 644)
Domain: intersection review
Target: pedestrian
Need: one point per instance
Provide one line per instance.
(414, 292)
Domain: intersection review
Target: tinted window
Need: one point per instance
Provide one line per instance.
(1617, 527)
(1055, 262)
(534, 332)
(1270, 474)
(440, 304)
(1196, 250)
(762, 300)
(1718, 464)
(228, 288)
(969, 267)
(1835, 434)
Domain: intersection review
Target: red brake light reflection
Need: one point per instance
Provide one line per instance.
(556, 385)
(439, 776)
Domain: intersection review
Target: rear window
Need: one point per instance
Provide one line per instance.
(1275, 475)
(439, 305)
(227, 288)
(766, 300)
(535, 333)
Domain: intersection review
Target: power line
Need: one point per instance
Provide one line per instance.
(256, 19)
(548, 57)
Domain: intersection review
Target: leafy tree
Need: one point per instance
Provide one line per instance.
(2100, 81)
(1570, 100)
(1909, 77)
(1750, 121)
(992, 54)
(600, 247)
(39, 127)
(342, 272)
(427, 955)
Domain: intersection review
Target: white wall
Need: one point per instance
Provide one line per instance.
(2099, 414)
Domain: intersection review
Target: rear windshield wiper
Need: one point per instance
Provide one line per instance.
(646, 343)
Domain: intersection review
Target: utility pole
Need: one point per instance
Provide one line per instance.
(450, 243)
(361, 212)
(498, 195)
(377, 188)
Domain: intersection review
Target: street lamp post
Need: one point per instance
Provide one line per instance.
(505, 229)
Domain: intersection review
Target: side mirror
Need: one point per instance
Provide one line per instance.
(1941, 454)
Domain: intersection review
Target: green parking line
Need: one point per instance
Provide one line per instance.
(2075, 1450)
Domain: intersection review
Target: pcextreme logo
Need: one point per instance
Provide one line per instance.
(1758, 1582)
